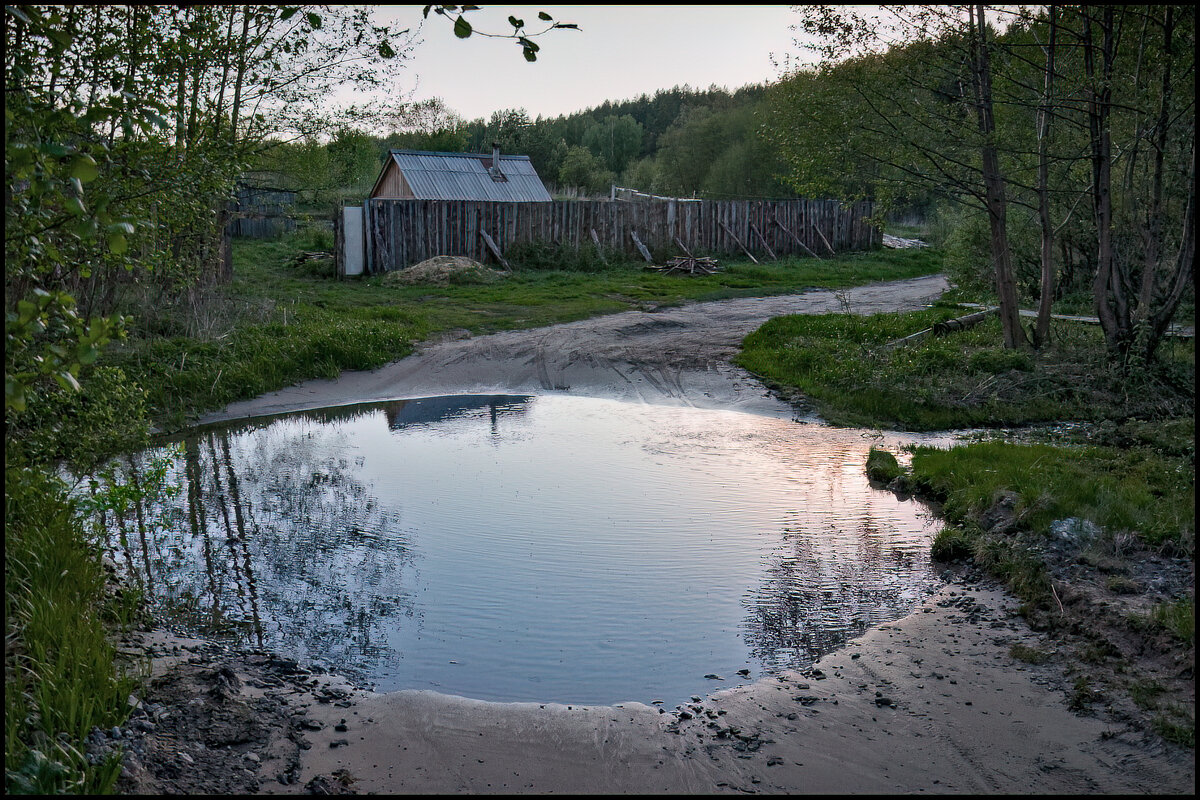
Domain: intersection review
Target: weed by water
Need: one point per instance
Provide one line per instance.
(61, 678)
(882, 466)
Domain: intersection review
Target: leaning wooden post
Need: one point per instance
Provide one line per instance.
(683, 247)
(733, 236)
(495, 250)
(832, 252)
(795, 238)
(641, 247)
(763, 239)
(599, 250)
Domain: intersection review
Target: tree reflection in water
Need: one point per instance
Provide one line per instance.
(827, 583)
(587, 548)
(275, 542)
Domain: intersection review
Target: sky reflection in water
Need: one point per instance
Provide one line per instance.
(532, 548)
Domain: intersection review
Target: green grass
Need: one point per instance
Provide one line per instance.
(882, 466)
(960, 380)
(1030, 655)
(60, 674)
(1119, 489)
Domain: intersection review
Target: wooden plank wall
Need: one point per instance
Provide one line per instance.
(405, 232)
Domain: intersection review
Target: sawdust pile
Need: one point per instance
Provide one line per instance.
(443, 271)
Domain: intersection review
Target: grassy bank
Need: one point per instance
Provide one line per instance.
(1091, 525)
(962, 380)
(279, 323)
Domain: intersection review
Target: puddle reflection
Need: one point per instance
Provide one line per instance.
(527, 548)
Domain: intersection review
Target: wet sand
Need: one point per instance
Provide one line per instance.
(931, 703)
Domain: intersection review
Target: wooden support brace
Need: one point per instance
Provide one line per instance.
(599, 249)
(495, 250)
(763, 239)
(733, 236)
(795, 238)
(641, 247)
(832, 252)
(683, 247)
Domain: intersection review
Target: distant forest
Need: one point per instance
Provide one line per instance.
(680, 142)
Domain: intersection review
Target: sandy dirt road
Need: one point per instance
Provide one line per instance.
(931, 703)
(676, 355)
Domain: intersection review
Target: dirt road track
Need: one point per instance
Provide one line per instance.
(677, 355)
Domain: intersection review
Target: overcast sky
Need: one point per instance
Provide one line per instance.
(619, 52)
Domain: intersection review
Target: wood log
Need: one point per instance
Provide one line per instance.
(733, 236)
(763, 239)
(962, 323)
(683, 247)
(944, 327)
(795, 238)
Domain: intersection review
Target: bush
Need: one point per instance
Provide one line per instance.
(106, 416)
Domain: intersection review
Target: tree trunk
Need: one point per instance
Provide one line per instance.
(1041, 331)
(993, 179)
(1108, 291)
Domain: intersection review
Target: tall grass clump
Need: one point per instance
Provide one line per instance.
(61, 677)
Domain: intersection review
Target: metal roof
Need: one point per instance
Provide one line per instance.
(464, 176)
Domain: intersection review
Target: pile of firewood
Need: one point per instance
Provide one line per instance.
(688, 264)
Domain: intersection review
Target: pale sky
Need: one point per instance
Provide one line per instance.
(619, 53)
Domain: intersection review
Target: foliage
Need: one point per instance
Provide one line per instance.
(106, 416)
(582, 168)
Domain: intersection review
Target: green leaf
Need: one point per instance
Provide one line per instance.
(571, 25)
(462, 28)
(75, 206)
(117, 243)
(542, 15)
(385, 50)
(14, 394)
(120, 227)
(287, 13)
(530, 55)
(66, 380)
(84, 168)
(314, 20)
(516, 23)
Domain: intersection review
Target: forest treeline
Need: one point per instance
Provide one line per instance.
(679, 142)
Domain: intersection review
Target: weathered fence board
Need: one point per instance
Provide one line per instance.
(399, 233)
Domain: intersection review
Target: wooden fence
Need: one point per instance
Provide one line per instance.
(399, 233)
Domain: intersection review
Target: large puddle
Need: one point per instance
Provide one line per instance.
(512, 548)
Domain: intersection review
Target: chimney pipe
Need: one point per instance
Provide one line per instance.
(496, 173)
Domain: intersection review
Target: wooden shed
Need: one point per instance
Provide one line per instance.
(423, 175)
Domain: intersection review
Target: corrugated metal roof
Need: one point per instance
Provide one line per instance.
(464, 176)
